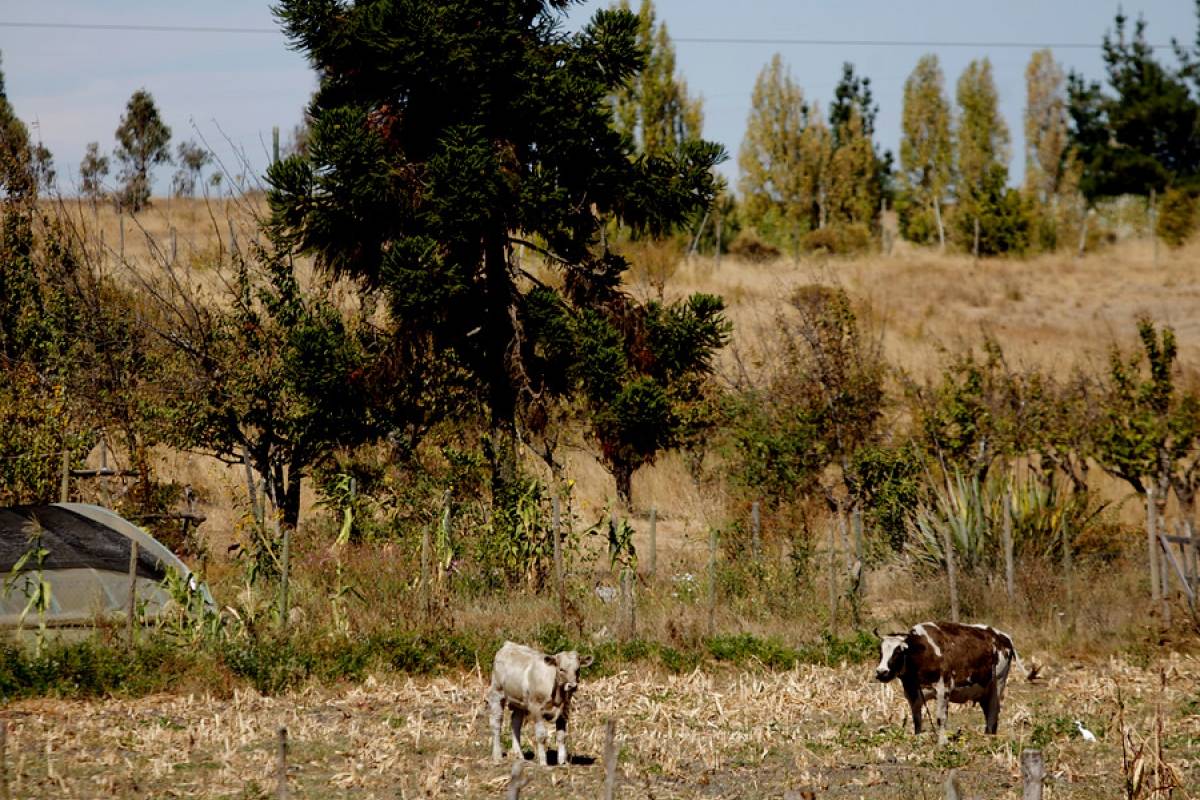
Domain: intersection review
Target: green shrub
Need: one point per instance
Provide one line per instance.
(1176, 217)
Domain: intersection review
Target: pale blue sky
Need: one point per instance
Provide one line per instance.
(233, 87)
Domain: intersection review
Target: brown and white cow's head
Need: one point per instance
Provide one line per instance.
(892, 650)
(567, 665)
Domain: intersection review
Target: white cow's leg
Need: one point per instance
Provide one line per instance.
(539, 738)
(560, 729)
(496, 716)
(518, 717)
(943, 700)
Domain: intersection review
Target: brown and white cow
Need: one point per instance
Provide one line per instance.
(950, 662)
(531, 683)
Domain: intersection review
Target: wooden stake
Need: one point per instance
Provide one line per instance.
(712, 581)
(628, 606)
(653, 540)
(285, 569)
(131, 608)
(1151, 544)
(833, 581)
(559, 588)
(281, 787)
(951, 575)
(610, 758)
(426, 599)
(1008, 546)
(1033, 771)
(518, 779)
(4, 793)
(64, 490)
(755, 532)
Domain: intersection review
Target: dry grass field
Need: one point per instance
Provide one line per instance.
(716, 731)
(724, 733)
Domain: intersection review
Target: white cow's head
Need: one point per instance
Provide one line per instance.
(891, 656)
(567, 665)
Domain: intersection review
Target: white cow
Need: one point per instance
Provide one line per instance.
(532, 683)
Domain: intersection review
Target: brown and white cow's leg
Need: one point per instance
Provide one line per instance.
(496, 717)
(539, 738)
(518, 717)
(943, 702)
(912, 693)
(990, 703)
(560, 730)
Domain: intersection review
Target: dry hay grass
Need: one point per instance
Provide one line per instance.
(704, 734)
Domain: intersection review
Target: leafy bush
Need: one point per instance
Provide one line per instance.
(1176, 217)
(840, 239)
(749, 246)
(1003, 213)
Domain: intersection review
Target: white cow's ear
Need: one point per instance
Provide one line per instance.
(586, 661)
(552, 661)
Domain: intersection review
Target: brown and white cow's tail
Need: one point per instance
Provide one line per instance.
(1031, 674)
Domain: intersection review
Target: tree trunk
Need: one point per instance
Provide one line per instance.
(623, 474)
(291, 494)
(937, 215)
(499, 345)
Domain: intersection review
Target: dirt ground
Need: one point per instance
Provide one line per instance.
(723, 733)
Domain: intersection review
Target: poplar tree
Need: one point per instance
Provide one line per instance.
(1045, 126)
(854, 188)
(982, 136)
(779, 193)
(143, 141)
(925, 144)
(654, 108)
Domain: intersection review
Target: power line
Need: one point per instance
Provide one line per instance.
(747, 40)
(85, 26)
(893, 43)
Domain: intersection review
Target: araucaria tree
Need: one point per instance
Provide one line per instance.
(143, 141)
(925, 147)
(444, 134)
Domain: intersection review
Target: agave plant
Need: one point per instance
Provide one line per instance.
(971, 511)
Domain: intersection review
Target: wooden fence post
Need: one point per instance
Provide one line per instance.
(121, 224)
(610, 758)
(131, 608)
(559, 588)
(1008, 546)
(833, 581)
(281, 787)
(1033, 771)
(628, 605)
(616, 532)
(1154, 223)
(174, 246)
(712, 581)
(951, 574)
(653, 540)
(64, 489)
(1152, 543)
(518, 779)
(1068, 572)
(856, 525)
(755, 532)
(426, 548)
(4, 793)
(285, 568)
